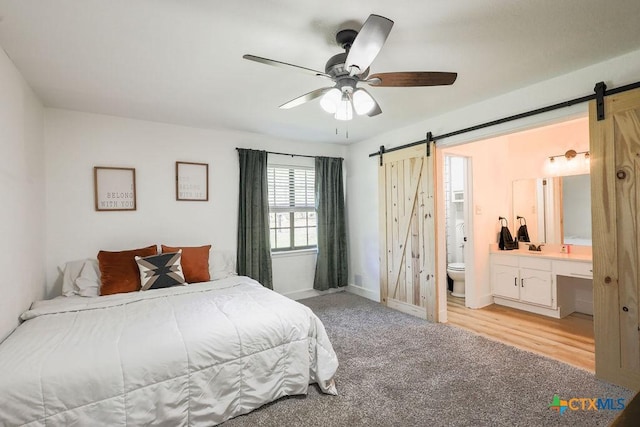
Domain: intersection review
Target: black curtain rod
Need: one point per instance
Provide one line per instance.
(293, 155)
(557, 106)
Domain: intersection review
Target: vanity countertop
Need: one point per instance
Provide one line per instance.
(524, 251)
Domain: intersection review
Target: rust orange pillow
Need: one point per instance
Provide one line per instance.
(119, 271)
(195, 261)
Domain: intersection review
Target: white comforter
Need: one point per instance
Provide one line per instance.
(192, 355)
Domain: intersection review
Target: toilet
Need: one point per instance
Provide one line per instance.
(455, 270)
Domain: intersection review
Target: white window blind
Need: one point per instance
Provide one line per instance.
(292, 216)
(291, 188)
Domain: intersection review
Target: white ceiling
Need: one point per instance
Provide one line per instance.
(181, 61)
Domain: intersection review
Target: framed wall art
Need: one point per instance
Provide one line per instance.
(192, 181)
(114, 188)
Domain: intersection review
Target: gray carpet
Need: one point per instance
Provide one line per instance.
(397, 370)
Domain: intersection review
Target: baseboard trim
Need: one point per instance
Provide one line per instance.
(558, 314)
(363, 292)
(585, 307)
(443, 316)
(310, 293)
(420, 312)
(484, 301)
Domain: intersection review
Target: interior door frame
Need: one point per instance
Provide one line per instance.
(469, 249)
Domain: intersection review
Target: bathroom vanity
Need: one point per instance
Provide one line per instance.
(535, 281)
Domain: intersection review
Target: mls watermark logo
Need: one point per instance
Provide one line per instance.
(586, 404)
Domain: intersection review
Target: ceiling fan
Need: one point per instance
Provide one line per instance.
(351, 67)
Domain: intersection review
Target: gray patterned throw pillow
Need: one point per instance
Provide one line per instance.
(160, 271)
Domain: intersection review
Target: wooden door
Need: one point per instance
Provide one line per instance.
(615, 199)
(407, 232)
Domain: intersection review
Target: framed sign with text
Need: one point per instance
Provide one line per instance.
(192, 181)
(114, 188)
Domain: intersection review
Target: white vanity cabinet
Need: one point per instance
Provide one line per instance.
(530, 281)
(523, 279)
(536, 287)
(504, 279)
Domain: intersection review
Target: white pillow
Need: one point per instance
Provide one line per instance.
(88, 283)
(70, 273)
(222, 264)
(81, 277)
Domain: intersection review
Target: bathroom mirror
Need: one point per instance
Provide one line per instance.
(556, 209)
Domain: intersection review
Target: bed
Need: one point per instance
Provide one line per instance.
(185, 355)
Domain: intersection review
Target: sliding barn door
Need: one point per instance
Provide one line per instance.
(407, 232)
(615, 194)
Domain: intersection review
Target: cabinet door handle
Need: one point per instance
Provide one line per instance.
(522, 282)
(515, 282)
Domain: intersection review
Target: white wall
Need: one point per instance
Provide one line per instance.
(362, 181)
(22, 194)
(76, 142)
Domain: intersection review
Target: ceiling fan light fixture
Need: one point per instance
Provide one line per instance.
(351, 67)
(363, 103)
(345, 109)
(330, 100)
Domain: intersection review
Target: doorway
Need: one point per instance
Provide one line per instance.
(457, 196)
(494, 165)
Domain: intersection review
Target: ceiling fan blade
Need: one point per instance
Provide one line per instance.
(411, 79)
(285, 65)
(305, 98)
(368, 43)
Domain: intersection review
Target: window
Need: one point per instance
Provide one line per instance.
(292, 216)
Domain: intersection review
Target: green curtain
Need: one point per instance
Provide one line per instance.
(254, 250)
(331, 265)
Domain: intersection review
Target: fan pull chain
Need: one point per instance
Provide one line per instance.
(346, 131)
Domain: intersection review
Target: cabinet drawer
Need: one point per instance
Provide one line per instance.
(573, 269)
(510, 260)
(535, 263)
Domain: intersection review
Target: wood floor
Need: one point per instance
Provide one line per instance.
(569, 340)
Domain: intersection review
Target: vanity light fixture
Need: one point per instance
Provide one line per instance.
(569, 155)
(569, 161)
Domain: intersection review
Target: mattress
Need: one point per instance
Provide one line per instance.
(187, 355)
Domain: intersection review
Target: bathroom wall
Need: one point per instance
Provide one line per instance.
(525, 204)
(529, 151)
(528, 154)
